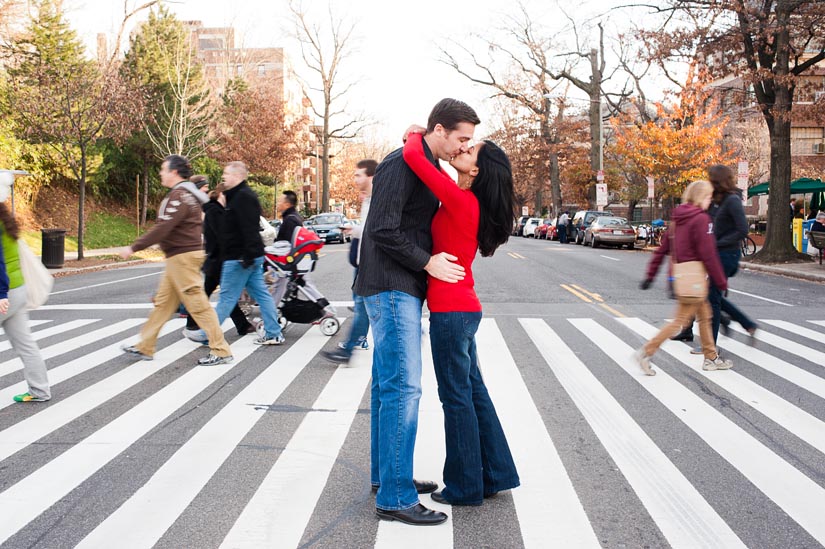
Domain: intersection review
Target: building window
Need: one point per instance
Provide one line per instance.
(807, 141)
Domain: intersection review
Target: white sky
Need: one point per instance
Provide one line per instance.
(399, 77)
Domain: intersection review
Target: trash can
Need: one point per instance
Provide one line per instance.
(52, 248)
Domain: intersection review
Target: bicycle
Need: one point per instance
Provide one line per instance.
(748, 246)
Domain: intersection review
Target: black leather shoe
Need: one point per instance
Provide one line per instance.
(248, 329)
(418, 515)
(439, 498)
(421, 486)
(684, 335)
(338, 356)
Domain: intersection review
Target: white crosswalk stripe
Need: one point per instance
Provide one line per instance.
(49, 451)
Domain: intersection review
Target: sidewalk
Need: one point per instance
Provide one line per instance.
(108, 264)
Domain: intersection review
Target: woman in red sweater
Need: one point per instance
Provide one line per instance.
(476, 214)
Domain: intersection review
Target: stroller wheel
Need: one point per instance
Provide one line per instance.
(329, 325)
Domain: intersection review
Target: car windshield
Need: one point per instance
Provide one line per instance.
(327, 220)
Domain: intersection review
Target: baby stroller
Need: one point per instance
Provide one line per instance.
(286, 267)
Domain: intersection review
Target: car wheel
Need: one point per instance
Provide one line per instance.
(593, 242)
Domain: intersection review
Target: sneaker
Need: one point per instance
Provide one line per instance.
(338, 356)
(28, 397)
(716, 364)
(724, 324)
(644, 361)
(361, 344)
(198, 336)
(263, 340)
(134, 352)
(214, 360)
(752, 336)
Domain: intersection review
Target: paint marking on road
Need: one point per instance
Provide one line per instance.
(793, 492)
(159, 502)
(819, 337)
(675, 505)
(96, 306)
(558, 249)
(515, 255)
(576, 293)
(610, 258)
(611, 310)
(54, 330)
(792, 347)
(760, 297)
(32, 324)
(104, 284)
(817, 322)
(558, 521)
(595, 296)
(797, 421)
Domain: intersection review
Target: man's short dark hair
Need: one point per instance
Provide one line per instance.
(450, 113)
(368, 166)
(180, 164)
(291, 197)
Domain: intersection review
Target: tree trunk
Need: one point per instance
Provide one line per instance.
(555, 182)
(81, 201)
(595, 115)
(631, 206)
(538, 201)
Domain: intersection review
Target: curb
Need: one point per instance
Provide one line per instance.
(783, 271)
(69, 271)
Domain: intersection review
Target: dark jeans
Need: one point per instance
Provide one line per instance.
(210, 282)
(478, 459)
(730, 264)
(561, 231)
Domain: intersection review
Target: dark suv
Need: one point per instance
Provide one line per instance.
(582, 221)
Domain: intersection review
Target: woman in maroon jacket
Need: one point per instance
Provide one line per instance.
(693, 241)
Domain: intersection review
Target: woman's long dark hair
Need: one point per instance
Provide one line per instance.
(493, 187)
(723, 181)
(9, 223)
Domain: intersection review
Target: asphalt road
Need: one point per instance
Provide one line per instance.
(273, 450)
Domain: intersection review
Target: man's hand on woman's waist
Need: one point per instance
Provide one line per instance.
(443, 267)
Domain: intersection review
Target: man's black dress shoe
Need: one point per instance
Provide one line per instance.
(684, 335)
(418, 515)
(438, 498)
(338, 356)
(421, 486)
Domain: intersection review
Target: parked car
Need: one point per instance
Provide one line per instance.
(611, 231)
(329, 226)
(552, 230)
(518, 229)
(543, 228)
(581, 221)
(530, 227)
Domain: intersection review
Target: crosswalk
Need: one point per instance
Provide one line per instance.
(272, 450)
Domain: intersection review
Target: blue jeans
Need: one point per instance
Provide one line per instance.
(360, 323)
(718, 303)
(479, 462)
(395, 318)
(234, 278)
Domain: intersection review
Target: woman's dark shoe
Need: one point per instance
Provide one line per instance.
(684, 335)
(421, 486)
(248, 329)
(439, 498)
(418, 515)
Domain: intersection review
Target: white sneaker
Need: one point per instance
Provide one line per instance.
(262, 340)
(644, 361)
(716, 364)
(214, 360)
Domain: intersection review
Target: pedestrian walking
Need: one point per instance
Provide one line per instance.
(287, 207)
(14, 314)
(689, 239)
(212, 225)
(357, 338)
(178, 232)
(242, 251)
(396, 256)
(475, 215)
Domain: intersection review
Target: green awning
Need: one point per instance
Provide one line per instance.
(802, 185)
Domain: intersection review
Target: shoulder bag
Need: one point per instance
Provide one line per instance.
(37, 279)
(690, 279)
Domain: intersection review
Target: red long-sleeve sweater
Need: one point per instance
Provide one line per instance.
(454, 230)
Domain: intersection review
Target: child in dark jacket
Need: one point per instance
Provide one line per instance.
(690, 238)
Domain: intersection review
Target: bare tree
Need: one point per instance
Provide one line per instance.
(324, 51)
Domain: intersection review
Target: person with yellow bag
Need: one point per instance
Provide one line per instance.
(14, 315)
(692, 248)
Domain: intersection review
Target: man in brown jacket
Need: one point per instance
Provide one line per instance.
(178, 231)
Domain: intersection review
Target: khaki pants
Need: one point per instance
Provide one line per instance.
(181, 281)
(685, 313)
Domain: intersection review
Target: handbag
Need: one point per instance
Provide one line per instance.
(37, 279)
(690, 279)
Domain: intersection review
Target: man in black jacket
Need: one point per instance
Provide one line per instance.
(290, 218)
(242, 251)
(396, 249)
